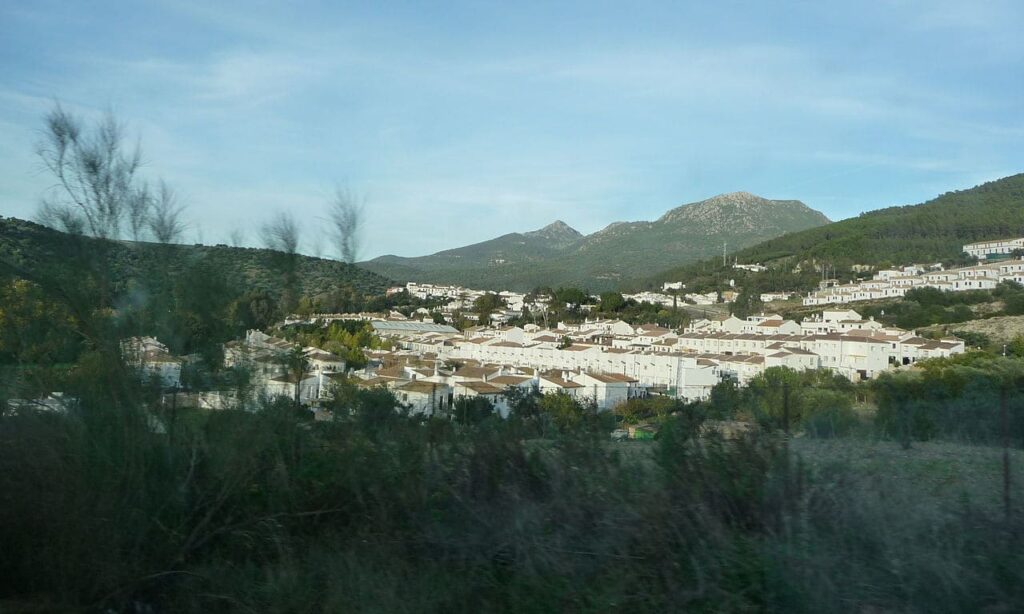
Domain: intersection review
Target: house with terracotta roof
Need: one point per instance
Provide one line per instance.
(606, 389)
(485, 390)
(284, 386)
(426, 398)
(558, 382)
(321, 360)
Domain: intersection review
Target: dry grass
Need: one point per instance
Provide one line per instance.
(1000, 329)
(938, 474)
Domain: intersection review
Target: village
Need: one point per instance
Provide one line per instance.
(606, 362)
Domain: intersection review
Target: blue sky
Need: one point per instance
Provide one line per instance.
(461, 121)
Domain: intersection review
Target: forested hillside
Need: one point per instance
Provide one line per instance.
(929, 232)
(194, 298)
(558, 255)
(256, 270)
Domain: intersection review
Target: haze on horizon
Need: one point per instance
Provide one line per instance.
(486, 118)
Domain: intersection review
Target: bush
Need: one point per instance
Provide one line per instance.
(831, 422)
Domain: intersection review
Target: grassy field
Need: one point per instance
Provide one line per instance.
(933, 474)
(929, 474)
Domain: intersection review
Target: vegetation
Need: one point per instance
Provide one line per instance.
(328, 285)
(345, 338)
(934, 231)
(266, 510)
(573, 305)
(609, 258)
(120, 501)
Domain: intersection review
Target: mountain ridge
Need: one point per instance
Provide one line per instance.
(931, 231)
(30, 245)
(557, 254)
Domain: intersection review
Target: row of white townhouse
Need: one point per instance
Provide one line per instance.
(895, 283)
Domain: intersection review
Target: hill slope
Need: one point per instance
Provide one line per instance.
(31, 245)
(932, 231)
(558, 255)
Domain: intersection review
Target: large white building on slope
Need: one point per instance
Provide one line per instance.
(987, 249)
(895, 283)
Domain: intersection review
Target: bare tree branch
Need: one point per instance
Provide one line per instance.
(316, 243)
(139, 203)
(236, 237)
(165, 217)
(281, 233)
(95, 173)
(346, 214)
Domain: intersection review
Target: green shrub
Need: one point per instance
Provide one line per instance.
(830, 422)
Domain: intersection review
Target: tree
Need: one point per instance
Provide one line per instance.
(346, 217)
(296, 363)
(612, 302)
(635, 411)
(164, 219)
(96, 176)
(724, 400)
(563, 410)
(746, 303)
(571, 296)
(281, 235)
(472, 410)
(236, 237)
(139, 204)
(774, 395)
(486, 304)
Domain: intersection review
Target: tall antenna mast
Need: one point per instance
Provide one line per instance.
(723, 253)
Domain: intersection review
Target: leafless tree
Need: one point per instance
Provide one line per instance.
(316, 243)
(165, 216)
(236, 237)
(281, 233)
(139, 203)
(95, 173)
(346, 215)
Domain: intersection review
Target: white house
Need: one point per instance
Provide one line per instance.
(320, 360)
(494, 394)
(606, 389)
(425, 398)
(986, 249)
(558, 381)
(284, 386)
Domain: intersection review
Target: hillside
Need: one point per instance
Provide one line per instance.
(33, 246)
(559, 255)
(928, 232)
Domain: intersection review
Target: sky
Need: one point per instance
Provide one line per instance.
(461, 121)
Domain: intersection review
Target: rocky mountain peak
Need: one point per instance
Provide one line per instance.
(556, 231)
(743, 208)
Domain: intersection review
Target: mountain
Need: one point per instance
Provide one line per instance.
(35, 247)
(557, 233)
(932, 231)
(559, 255)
